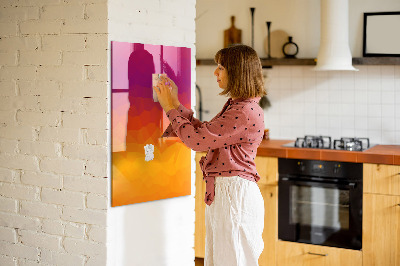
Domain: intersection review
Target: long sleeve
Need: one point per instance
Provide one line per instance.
(188, 114)
(225, 130)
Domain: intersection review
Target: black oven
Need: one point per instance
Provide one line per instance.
(320, 202)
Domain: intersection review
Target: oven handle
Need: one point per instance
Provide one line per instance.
(298, 181)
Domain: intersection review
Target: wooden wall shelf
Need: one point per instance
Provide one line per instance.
(312, 61)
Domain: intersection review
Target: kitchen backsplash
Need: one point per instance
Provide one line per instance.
(365, 103)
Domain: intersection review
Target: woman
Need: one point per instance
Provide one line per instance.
(235, 207)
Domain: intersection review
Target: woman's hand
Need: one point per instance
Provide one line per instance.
(163, 91)
(174, 91)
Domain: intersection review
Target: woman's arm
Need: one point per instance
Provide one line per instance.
(230, 128)
(186, 113)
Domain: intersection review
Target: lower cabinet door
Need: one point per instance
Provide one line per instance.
(381, 230)
(200, 207)
(270, 233)
(298, 254)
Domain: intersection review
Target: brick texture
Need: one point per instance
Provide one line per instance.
(53, 57)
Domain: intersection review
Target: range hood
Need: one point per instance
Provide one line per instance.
(334, 51)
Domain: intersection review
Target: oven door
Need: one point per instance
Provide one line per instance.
(321, 212)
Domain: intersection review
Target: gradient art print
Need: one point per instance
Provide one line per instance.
(146, 167)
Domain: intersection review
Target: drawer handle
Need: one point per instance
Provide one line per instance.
(319, 254)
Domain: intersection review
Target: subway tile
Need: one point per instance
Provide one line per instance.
(373, 70)
(374, 110)
(347, 109)
(297, 83)
(388, 97)
(388, 137)
(361, 124)
(286, 120)
(397, 111)
(361, 110)
(347, 122)
(284, 83)
(388, 84)
(310, 108)
(388, 110)
(374, 123)
(397, 123)
(321, 83)
(349, 132)
(298, 120)
(334, 77)
(298, 108)
(347, 75)
(334, 109)
(388, 124)
(308, 72)
(285, 71)
(397, 72)
(334, 81)
(296, 72)
(322, 74)
(335, 122)
(374, 97)
(374, 84)
(322, 109)
(360, 133)
(309, 82)
(375, 136)
(387, 71)
(286, 132)
(364, 103)
(322, 121)
(310, 130)
(310, 95)
(322, 95)
(335, 95)
(397, 133)
(361, 97)
(348, 96)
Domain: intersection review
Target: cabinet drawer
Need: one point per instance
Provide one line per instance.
(294, 254)
(381, 179)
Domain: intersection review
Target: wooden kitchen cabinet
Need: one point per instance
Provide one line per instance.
(200, 208)
(381, 230)
(267, 168)
(270, 233)
(381, 179)
(299, 254)
(381, 215)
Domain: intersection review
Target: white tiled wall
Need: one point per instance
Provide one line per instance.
(337, 104)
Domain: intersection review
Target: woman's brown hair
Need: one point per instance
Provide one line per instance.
(245, 77)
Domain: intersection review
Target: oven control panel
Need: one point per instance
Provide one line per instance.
(331, 169)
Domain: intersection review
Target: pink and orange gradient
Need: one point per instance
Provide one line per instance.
(137, 121)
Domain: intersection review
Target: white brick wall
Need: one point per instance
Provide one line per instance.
(53, 120)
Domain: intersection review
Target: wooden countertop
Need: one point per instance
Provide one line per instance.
(379, 154)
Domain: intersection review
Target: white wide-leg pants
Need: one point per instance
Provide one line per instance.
(234, 223)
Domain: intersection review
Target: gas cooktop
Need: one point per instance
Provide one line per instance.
(325, 142)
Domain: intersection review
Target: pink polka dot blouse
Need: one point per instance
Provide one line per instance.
(231, 139)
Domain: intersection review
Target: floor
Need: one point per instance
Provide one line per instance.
(199, 262)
